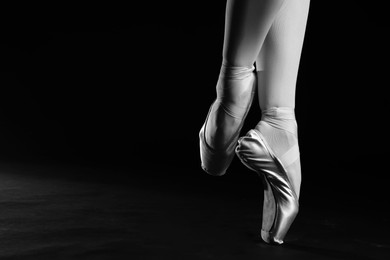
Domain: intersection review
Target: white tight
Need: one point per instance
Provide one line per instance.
(270, 33)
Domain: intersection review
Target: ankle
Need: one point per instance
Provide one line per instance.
(282, 118)
(230, 71)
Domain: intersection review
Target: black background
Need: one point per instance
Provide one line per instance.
(130, 87)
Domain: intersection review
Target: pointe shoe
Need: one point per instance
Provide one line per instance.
(216, 161)
(280, 205)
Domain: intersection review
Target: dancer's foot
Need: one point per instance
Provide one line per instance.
(279, 128)
(219, 133)
(271, 150)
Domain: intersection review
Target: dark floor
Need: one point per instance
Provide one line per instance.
(58, 211)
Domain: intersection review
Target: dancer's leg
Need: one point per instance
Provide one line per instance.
(278, 61)
(246, 26)
(277, 66)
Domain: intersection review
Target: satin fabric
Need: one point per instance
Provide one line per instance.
(280, 205)
(233, 84)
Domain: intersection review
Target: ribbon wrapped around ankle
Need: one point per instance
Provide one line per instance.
(234, 72)
(281, 117)
(235, 89)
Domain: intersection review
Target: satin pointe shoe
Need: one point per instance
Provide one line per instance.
(280, 205)
(228, 115)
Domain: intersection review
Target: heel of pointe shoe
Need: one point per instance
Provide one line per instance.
(213, 162)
